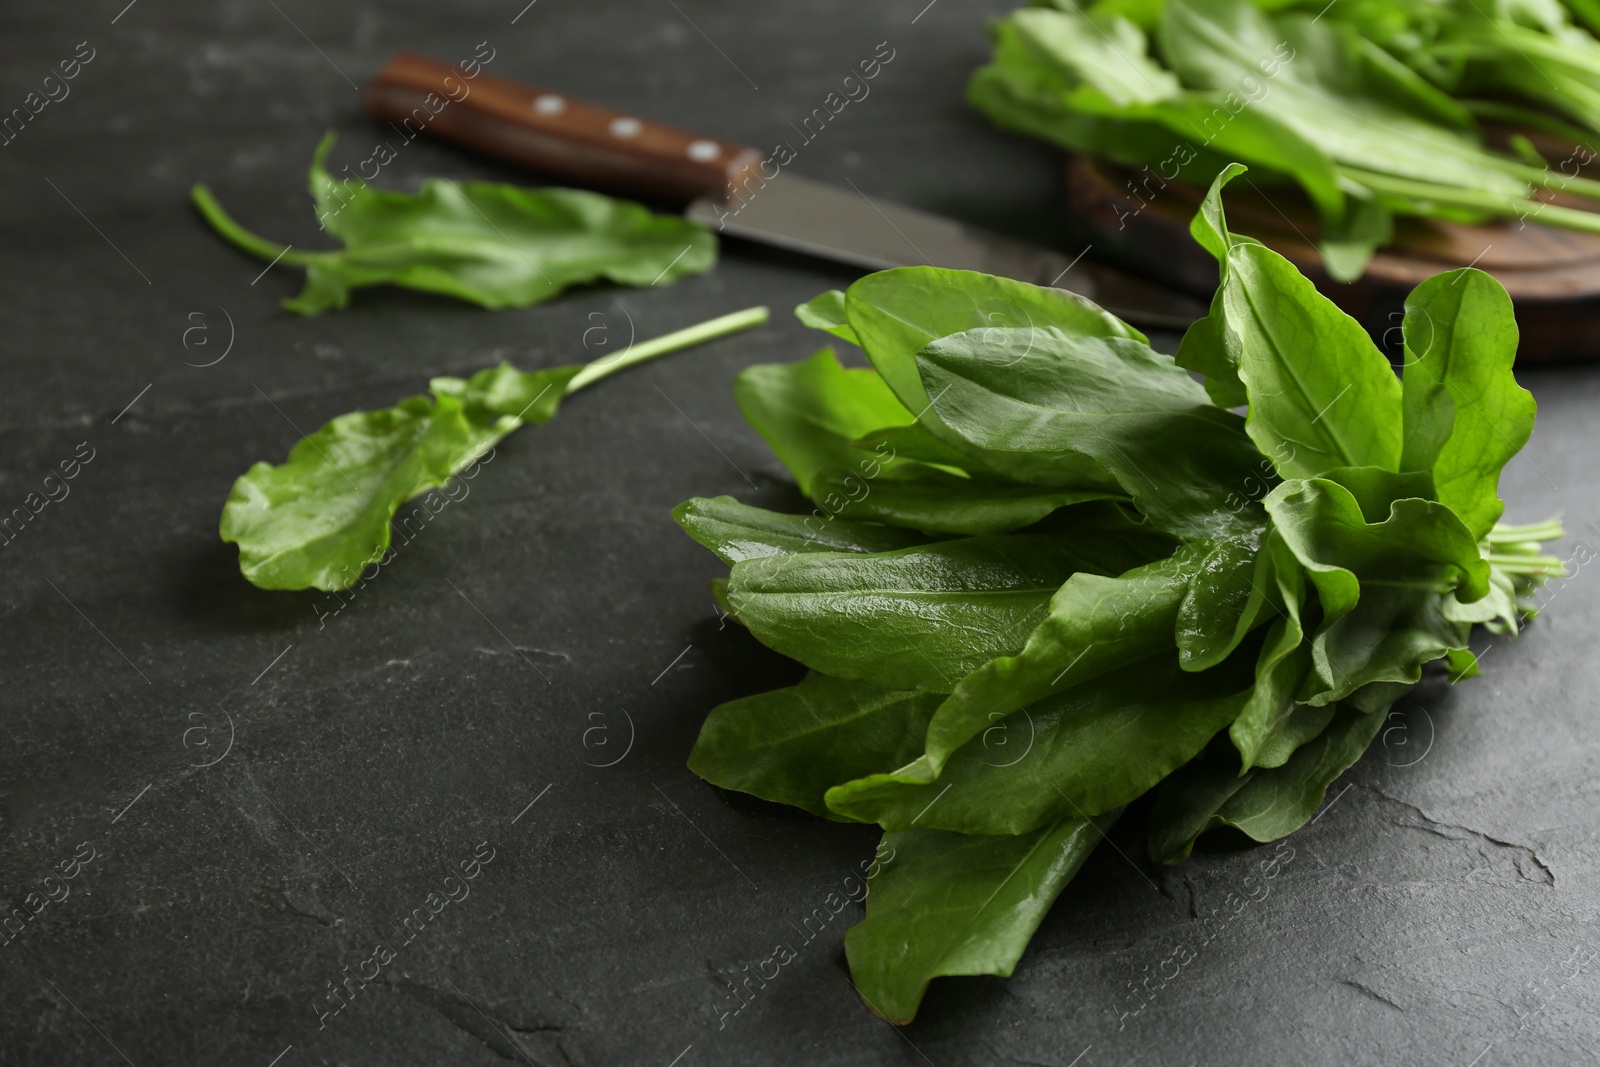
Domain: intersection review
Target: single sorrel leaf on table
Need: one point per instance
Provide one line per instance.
(496, 245)
(318, 519)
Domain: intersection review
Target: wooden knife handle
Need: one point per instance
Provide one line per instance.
(547, 131)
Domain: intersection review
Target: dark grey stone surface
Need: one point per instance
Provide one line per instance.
(1440, 911)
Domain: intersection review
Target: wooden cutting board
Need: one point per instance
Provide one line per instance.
(1552, 274)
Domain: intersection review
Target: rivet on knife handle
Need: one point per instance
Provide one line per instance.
(550, 132)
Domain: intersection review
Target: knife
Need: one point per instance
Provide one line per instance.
(728, 186)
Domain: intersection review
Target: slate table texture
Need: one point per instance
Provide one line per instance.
(254, 788)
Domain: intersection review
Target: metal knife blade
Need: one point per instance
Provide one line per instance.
(847, 226)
